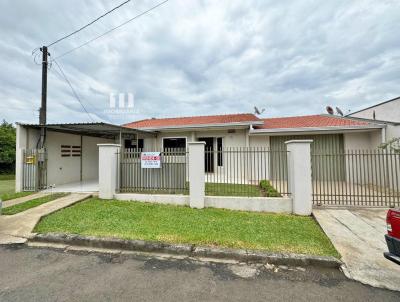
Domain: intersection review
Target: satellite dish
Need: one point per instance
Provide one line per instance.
(329, 110)
(339, 112)
(257, 111)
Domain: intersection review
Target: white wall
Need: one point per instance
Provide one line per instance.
(61, 170)
(237, 139)
(392, 131)
(251, 204)
(90, 156)
(385, 112)
(362, 140)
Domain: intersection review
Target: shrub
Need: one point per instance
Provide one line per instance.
(268, 189)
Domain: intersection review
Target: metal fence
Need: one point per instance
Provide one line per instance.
(34, 172)
(171, 178)
(237, 171)
(358, 178)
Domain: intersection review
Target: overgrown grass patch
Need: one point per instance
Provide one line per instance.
(174, 224)
(31, 204)
(228, 189)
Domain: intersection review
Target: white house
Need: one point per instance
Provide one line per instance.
(71, 154)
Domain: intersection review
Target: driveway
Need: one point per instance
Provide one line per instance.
(358, 235)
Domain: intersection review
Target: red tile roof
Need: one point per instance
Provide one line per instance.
(308, 121)
(193, 120)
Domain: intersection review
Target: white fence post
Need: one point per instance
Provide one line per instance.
(299, 175)
(21, 139)
(108, 169)
(196, 175)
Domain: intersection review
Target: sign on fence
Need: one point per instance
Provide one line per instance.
(150, 160)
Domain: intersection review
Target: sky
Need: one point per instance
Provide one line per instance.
(190, 57)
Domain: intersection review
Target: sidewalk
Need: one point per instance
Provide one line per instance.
(17, 228)
(13, 202)
(358, 235)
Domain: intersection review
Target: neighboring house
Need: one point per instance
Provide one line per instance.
(388, 112)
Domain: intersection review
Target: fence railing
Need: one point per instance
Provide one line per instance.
(171, 178)
(34, 169)
(238, 171)
(357, 178)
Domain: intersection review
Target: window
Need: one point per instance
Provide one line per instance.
(174, 143)
(220, 153)
(134, 144)
(68, 151)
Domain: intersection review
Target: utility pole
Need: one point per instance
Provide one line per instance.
(43, 107)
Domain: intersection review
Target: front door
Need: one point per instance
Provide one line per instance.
(209, 154)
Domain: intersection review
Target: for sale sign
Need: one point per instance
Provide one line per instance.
(150, 160)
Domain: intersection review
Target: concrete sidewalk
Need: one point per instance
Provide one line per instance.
(358, 235)
(13, 202)
(17, 228)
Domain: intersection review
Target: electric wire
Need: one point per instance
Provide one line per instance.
(72, 89)
(90, 23)
(112, 29)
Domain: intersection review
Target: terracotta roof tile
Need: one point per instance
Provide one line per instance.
(308, 121)
(193, 120)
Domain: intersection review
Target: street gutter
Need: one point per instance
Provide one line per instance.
(191, 250)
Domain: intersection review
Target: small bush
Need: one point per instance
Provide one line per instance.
(268, 189)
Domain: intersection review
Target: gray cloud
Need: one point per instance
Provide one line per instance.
(201, 57)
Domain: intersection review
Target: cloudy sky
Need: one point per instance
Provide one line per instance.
(200, 57)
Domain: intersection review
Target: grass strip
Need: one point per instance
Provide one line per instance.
(177, 224)
(31, 204)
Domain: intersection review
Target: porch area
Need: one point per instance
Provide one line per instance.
(87, 186)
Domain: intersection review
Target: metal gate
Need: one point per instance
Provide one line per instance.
(323, 143)
(368, 178)
(171, 178)
(34, 170)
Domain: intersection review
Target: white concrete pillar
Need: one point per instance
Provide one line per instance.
(196, 174)
(20, 145)
(299, 175)
(108, 169)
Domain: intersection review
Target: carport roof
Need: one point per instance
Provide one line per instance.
(90, 129)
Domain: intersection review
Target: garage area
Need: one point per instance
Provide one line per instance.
(69, 161)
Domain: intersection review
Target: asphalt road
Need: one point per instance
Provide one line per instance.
(38, 274)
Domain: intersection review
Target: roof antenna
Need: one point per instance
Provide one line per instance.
(329, 109)
(339, 112)
(257, 111)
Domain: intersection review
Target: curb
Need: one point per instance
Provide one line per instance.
(248, 256)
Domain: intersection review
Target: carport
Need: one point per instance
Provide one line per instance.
(69, 161)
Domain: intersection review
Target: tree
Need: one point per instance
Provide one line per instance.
(393, 145)
(7, 148)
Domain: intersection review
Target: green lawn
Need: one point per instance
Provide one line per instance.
(212, 227)
(226, 189)
(31, 204)
(7, 188)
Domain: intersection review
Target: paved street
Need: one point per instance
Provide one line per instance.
(38, 274)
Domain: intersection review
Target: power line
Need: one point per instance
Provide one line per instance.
(90, 23)
(72, 89)
(112, 29)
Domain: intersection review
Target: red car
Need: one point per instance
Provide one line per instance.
(393, 235)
